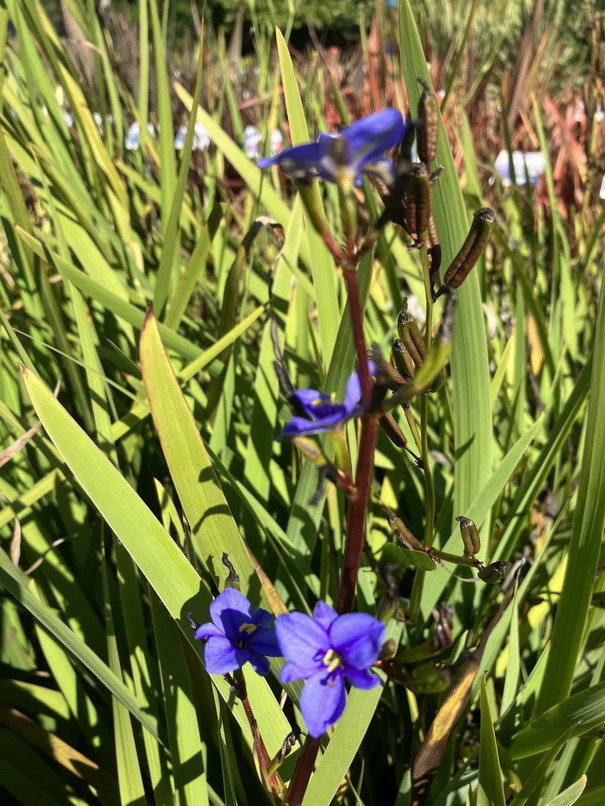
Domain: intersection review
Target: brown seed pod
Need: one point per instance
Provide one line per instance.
(417, 202)
(434, 251)
(428, 124)
(471, 249)
(470, 536)
(409, 333)
(402, 361)
(492, 573)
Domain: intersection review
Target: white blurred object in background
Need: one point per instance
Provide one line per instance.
(276, 142)
(252, 140)
(534, 160)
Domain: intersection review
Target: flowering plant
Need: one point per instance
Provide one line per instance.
(325, 651)
(237, 634)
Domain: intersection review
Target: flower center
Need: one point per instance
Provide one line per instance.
(247, 629)
(332, 660)
(321, 401)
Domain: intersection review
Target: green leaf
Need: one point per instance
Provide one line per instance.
(490, 791)
(584, 709)
(569, 795)
(470, 375)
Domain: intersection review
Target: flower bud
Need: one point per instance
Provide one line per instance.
(427, 125)
(470, 251)
(470, 536)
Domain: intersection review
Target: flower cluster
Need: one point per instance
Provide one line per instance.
(324, 650)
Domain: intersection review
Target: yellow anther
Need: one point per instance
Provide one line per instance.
(332, 660)
(249, 628)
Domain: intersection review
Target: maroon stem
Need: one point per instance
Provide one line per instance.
(357, 515)
(302, 772)
(350, 276)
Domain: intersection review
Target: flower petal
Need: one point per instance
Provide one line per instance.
(306, 399)
(292, 671)
(259, 662)
(230, 610)
(324, 614)
(358, 638)
(209, 630)
(353, 393)
(322, 701)
(264, 642)
(372, 136)
(300, 425)
(297, 160)
(261, 617)
(301, 639)
(361, 678)
(220, 656)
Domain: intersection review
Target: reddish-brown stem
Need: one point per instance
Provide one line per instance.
(350, 276)
(357, 515)
(302, 772)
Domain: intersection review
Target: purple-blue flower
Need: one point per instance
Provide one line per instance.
(357, 149)
(322, 412)
(325, 651)
(237, 634)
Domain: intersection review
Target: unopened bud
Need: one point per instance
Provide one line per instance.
(470, 251)
(470, 536)
(428, 124)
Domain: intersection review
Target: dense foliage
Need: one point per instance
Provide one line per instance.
(166, 313)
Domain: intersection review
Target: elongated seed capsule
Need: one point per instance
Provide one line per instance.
(391, 428)
(434, 251)
(428, 124)
(410, 335)
(492, 573)
(402, 360)
(470, 536)
(471, 249)
(418, 201)
(402, 534)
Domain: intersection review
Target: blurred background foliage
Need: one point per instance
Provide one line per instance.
(102, 695)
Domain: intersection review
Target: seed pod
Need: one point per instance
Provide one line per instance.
(470, 536)
(417, 202)
(394, 209)
(391, 428)
(402, 360)
(410, 335)
(470, 251)
(434, 251)
(428, 124)
(492, 573)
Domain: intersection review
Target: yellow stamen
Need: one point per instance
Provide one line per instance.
(249, 628)
(332, 660)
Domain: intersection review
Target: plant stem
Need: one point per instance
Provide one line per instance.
(350, 276)
(357, 515)
(429, 485)
(302, 772)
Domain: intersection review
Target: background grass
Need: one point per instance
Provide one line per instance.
(158, 449)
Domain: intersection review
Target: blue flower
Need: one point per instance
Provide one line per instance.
(325, 651)
(237, 634)
(358, 149)
(322, 412)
